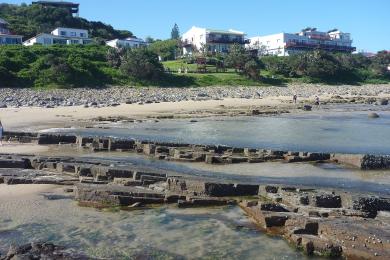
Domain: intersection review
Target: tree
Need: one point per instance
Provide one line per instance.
(141, 63)
(165, 49)
(29, 20)
(318, 64)
(149, 39)
(381, 63)
(114, 57)
(252, 69)
(175, 33)
(237, 57)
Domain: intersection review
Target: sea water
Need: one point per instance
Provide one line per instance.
(344, 132)
(160, 233)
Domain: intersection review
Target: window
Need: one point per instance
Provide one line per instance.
(59, 41)
(46, 40)
(63, 33)
(82, 34)
(73, 34)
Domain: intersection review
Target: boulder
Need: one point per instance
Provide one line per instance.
(327, 201)
(273, 207)
(371, 204)
(275, 220)
(383, 102)
(14, 163)
(373, 115)
(271, 189)
(56, 139)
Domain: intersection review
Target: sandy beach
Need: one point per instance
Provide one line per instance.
(16, 118)
(29, 118)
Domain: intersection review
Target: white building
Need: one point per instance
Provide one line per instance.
(284, 44)
(215, 40)
(60, 36)
(6, 37)
(130, 42)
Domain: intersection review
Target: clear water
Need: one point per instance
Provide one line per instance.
(326, 175)
(345, 132)
(163, 233)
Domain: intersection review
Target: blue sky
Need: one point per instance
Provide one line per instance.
(367, 20)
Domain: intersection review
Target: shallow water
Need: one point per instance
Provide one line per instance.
(344, 132)
(325, 175)
(222, 233)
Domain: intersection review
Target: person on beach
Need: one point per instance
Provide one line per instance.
(295, 98)
(1, 133)
(317, 101)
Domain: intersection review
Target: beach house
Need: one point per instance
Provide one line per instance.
(131, 42)
(6, 37)
(285, 44)
(214, 40)
(60, 36)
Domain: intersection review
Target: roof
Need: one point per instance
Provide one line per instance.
(68, 28)
(2, 21)
(57, 36)
(225, 31)
(11, 35)
(56, 3)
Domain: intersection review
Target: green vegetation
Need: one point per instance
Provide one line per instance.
(56, 66)
(324, 67)
(29, 20)
(67, 66)
(95, 65)
(141, 63)
(175, 33)
(167, 49)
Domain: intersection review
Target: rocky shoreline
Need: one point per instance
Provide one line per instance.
(324, 222)
(211, 154)
(114, 96)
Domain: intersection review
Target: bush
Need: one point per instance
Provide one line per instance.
(141, 63)
(252, 69)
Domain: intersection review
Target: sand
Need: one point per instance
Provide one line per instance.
(41, 118)
(17, 148)
(38, 118)
(13, 192)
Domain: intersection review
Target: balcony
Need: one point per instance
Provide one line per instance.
(226, 40)
(311, 46)
(186, 43)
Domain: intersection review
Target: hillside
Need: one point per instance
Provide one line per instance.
(29, 20)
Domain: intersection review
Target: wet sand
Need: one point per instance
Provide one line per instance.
(19, 148)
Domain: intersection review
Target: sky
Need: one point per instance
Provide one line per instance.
(368, 21)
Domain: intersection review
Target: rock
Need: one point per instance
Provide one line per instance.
(56, 139)
(371, 205)
(304, 200)
(383, 102)
(273, 207)
(14, 163)
(203, 202)
(3, 105)
(42, 251)
(307, 108)
(311, 228)
(275, 220)
(327, 201)
(271, 189)
(373, 115)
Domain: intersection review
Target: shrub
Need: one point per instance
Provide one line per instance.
(141, 63)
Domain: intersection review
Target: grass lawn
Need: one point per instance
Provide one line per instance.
(211, 78)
